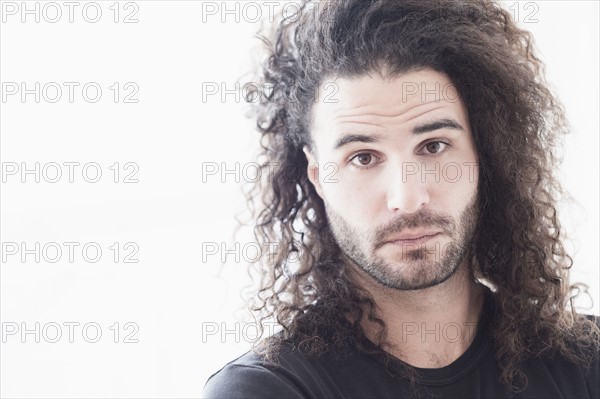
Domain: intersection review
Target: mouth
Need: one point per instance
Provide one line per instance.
(417, 240)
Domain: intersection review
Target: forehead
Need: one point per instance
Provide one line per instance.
(374, 102)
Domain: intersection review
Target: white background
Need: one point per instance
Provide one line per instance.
(173, 295)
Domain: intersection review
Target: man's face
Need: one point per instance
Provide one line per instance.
(396, 160)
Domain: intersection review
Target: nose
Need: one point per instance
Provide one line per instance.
(407, 191)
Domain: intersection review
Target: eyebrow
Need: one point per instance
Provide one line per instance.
(445, 123)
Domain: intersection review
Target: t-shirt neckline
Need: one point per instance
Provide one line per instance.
(456, 370)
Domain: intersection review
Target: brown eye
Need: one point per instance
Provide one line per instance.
(434, 147)
(364, 159)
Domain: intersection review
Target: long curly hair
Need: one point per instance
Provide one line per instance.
(517, 124)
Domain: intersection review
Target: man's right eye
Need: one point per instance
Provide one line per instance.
(363, 160)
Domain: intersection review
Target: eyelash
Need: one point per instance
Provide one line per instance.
(370, 153)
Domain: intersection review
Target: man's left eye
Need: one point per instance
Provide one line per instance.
(434, 147)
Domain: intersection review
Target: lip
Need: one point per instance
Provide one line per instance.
(415, 238)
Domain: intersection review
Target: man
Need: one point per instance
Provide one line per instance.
(421, 212)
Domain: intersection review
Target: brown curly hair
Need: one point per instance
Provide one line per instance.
(516, 123)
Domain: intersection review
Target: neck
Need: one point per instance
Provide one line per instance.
(428, 328)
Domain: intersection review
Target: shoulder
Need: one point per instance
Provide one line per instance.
(579, 378)
(249, 376)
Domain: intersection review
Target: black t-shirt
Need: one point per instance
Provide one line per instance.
(475, 374)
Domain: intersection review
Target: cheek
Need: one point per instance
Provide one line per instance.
(355, 199)
(457, 185)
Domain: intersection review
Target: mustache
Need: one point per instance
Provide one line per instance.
(424, 219)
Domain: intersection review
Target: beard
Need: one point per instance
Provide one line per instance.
(408, 266)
